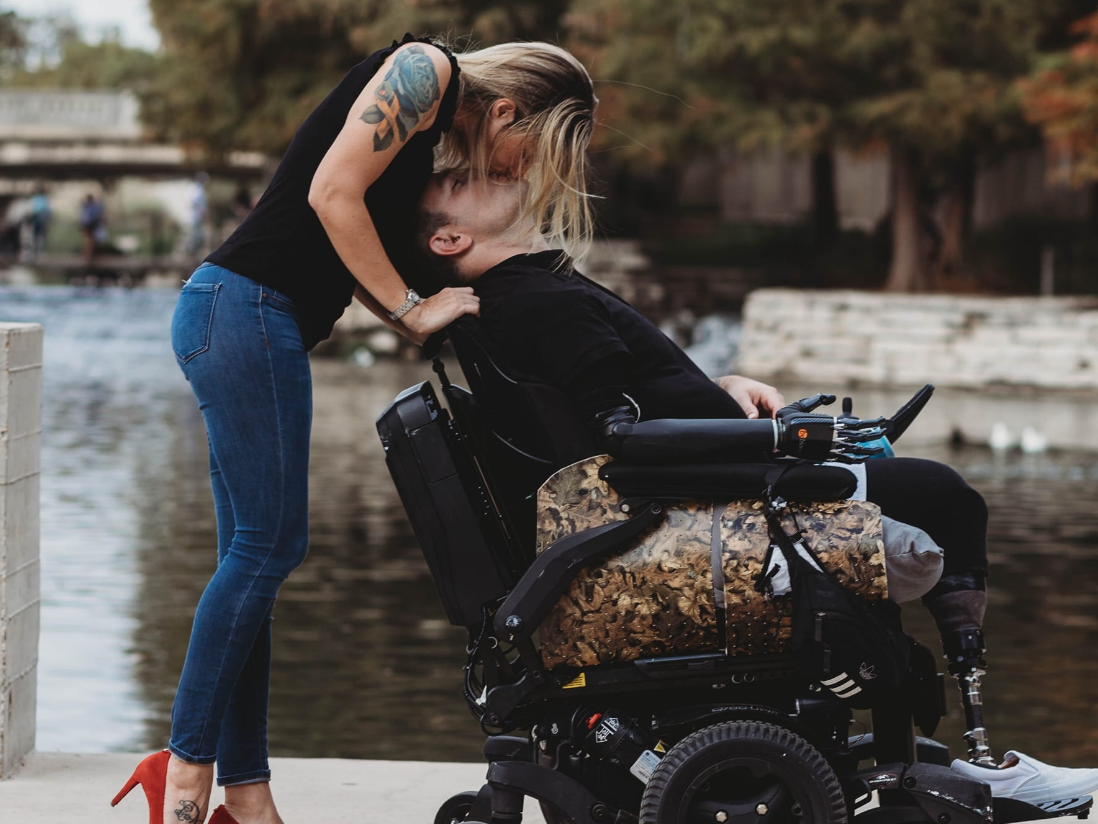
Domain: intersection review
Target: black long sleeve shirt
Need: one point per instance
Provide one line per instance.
(553, 324)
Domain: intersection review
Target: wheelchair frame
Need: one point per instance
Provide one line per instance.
(466, 478)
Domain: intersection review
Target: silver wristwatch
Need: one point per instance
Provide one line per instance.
(411, 299)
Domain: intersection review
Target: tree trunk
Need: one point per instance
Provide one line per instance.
(906, 272)
(825, 202)
(957, 201)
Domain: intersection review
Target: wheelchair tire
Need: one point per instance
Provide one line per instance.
(456, 809)
(754, 773)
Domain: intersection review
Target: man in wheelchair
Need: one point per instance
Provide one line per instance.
(642, 398)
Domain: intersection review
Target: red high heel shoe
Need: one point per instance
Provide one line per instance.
(152, 775)
(222, 816)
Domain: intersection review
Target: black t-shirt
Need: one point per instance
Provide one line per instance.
(559, 327)
(282, 243)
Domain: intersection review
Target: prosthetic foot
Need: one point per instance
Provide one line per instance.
(964, 649)
(1024, 789)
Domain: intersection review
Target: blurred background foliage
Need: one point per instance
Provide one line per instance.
(942, 87)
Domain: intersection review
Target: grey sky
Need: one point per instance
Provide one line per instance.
(131, 16)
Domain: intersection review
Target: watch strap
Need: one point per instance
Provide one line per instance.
(411, 300)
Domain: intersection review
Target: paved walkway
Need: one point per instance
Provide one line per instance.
(59, 788)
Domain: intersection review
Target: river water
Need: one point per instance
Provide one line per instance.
(365, 664)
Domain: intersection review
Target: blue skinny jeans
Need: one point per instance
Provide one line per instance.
(239, 345)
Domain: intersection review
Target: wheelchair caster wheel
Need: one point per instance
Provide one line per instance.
(456, 810)
(743, 772)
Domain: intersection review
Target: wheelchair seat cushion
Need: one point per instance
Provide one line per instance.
(664, 595)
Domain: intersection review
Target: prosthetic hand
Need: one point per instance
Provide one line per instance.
(795, 432)
(802, 434)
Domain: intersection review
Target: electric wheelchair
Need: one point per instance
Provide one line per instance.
(688, 725)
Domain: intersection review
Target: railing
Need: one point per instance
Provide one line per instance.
(55, 115)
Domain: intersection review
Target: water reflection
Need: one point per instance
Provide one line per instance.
(365, 665)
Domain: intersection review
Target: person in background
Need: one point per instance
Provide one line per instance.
(40, 216)
(196, 234)
(243, 202)
(91, 226)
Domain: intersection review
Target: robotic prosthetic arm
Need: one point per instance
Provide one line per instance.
(796, 431)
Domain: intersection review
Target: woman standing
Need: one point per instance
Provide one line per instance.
(344, 193)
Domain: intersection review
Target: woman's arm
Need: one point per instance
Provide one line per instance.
(400, 100)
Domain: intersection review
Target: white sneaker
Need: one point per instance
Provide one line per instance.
(1029, 780)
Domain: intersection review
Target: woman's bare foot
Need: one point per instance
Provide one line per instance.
(187, 792)
(252, 804)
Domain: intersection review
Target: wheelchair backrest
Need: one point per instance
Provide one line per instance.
(455, 520)
(468, 476)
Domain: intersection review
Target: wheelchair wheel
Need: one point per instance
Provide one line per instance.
(456, 809)
(743, 772)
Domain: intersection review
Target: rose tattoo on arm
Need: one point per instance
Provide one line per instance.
(407, 93)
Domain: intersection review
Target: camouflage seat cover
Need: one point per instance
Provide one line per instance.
(657, 598)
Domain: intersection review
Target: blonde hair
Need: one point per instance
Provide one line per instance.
(554, 117)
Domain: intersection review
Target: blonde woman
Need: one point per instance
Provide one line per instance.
(345, 192)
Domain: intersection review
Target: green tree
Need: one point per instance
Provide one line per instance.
(932, 80)
(954, 104)
(243, 74)
(13, 44)
(1062, 98)
(78, 64)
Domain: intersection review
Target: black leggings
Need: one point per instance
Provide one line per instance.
(933, 497)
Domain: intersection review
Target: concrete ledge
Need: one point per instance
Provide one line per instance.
(848, 337)
(20, 442)
(59, 788)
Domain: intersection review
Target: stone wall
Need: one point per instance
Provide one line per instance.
(847, 337)
(20, 448)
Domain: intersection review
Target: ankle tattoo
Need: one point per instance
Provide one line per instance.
(189, 812)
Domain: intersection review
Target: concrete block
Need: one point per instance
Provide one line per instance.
(20, 447)
(19, 734)
(21, 641)
(950, 340)
(20, 457)
(20, 588)
(19, 517)
(24, 402)
(24, 344)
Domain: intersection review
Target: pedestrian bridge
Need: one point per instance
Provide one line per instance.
(92, 135)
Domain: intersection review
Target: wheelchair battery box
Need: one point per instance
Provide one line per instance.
(453, 516)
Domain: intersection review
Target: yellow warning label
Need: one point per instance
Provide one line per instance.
(660, 746)
(577, 682)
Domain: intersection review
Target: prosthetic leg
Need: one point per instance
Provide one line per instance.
(958, 603)
(964, 649)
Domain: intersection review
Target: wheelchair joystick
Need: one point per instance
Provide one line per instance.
(965, 652)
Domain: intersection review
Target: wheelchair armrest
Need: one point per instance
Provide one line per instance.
(728, 481)
(551, 574)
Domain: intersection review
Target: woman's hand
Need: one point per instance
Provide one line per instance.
(753, 397)
(439, 311)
